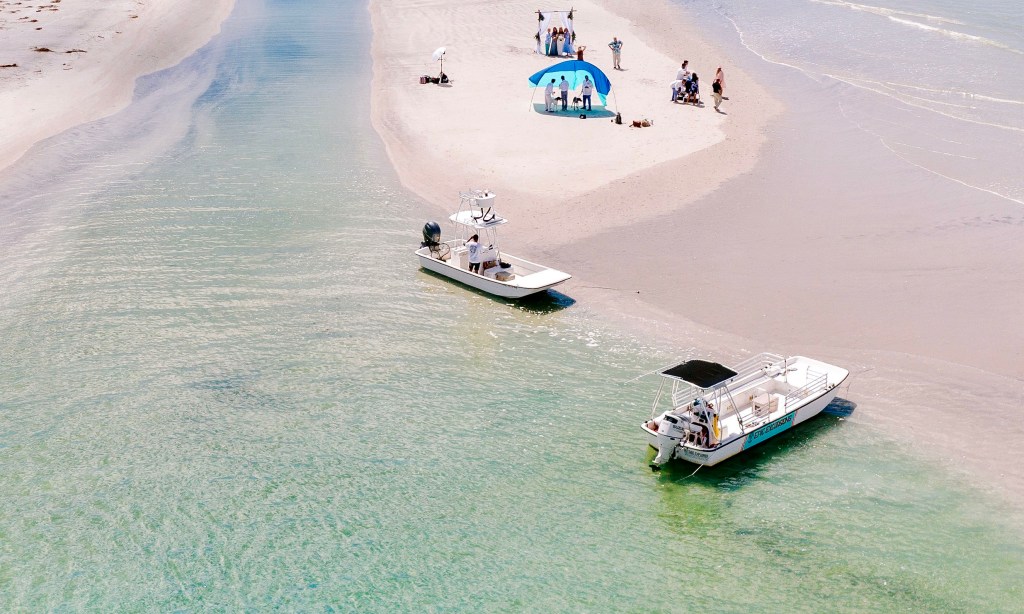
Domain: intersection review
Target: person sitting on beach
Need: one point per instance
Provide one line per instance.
(677, 89)
(616, 47)
(693, 89)
(587, 90)
(473, 246)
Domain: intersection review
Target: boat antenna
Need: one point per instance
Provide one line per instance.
(639, 377)
(658, 370)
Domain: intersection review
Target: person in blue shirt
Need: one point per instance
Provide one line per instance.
(616, 47)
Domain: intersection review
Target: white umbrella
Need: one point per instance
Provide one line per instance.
(439, 57)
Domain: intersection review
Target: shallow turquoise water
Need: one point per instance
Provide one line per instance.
(226, 385)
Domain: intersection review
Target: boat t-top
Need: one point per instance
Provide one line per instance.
(499, 273)
(716, 412)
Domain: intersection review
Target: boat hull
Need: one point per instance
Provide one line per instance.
(524, 286)
(709, 457)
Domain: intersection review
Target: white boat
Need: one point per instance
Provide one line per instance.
(501, 274)
(716, 412)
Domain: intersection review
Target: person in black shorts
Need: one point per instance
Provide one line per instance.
(473, 245)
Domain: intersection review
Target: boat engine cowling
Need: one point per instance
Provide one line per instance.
(671, 430)
(431, 234)
(673, 426)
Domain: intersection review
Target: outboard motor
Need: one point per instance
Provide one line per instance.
(673, 426)
(432, 241)
(431, 234)
(671, 430)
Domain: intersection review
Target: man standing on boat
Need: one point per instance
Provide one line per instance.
(473, 245)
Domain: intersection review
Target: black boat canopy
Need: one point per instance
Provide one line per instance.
(700, 373)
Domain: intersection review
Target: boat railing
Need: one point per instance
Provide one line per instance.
(755, 368)
(683, 394)
(816, 382)
(757, 362)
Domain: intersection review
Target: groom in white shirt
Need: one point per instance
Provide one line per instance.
(588, 90)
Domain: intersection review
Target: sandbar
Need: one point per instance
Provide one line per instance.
(74, 61)
(627, 210)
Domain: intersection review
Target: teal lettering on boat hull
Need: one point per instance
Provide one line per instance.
(769, 430)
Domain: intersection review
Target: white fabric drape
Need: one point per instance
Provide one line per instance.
(553, 19)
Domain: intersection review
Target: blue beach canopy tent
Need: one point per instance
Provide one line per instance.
(574, 71)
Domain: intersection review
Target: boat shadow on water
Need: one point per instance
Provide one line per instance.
(741, 469)
(545, 302)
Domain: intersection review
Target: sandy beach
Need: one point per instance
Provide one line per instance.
(228, 384)
(591, 198)
(67, 63)
(485, 131)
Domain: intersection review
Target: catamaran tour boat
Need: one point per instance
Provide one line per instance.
(717, 412)
(500, 273)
